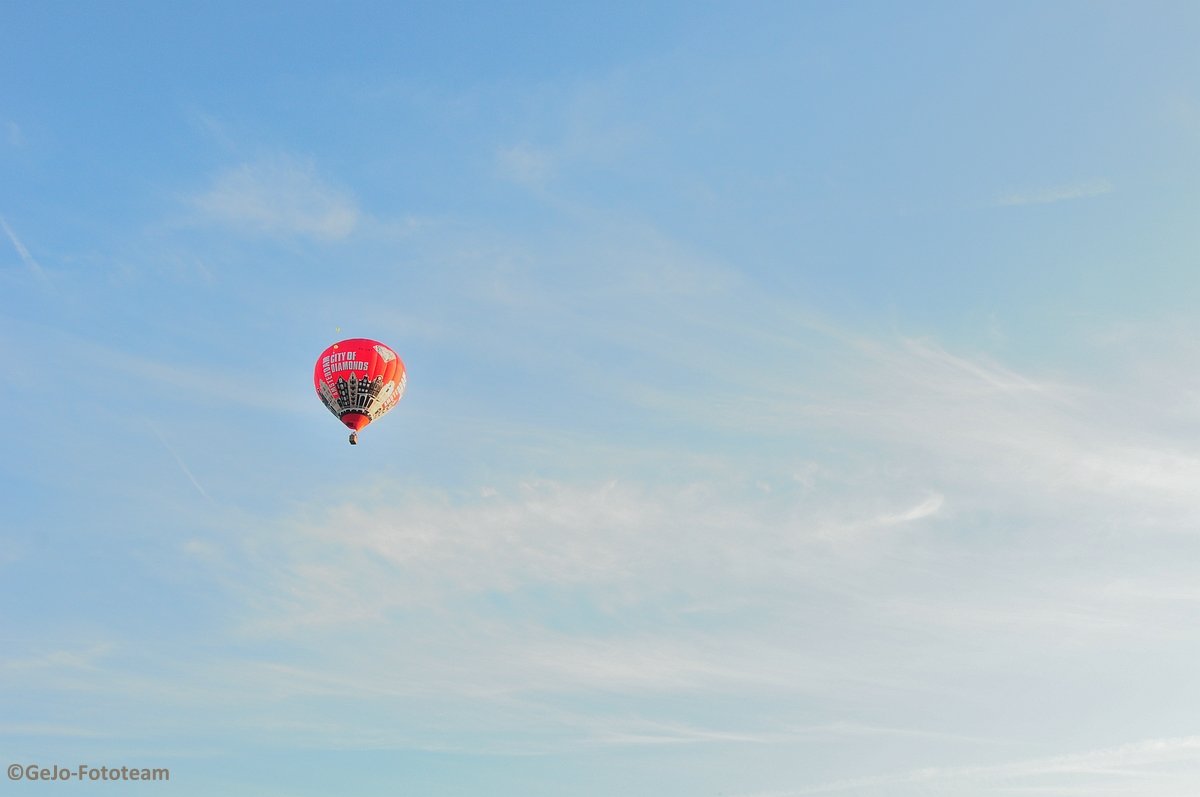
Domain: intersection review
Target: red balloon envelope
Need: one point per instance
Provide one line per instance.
(359, 380)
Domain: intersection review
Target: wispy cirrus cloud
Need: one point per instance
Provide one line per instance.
(524, 164)
(112, 367)
(46, 729)
(1152, 766)
(845, 588)
(659, 733)
(57, 661)
(14, 134)
(28, 259)
(1058, 193)
(280, 196)
(179, 460)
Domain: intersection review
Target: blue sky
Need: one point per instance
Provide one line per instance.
(802, 397)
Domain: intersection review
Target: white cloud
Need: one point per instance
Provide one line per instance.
(103, 365)
(524, 164)
(941, 553)
(44, 729)
(279, 196)
(423, 581)
(931, 526)
(926, 508)
(1060, 193)
(972, 423)
(656, 733)
(1154, 766)
(88, 658)
(16, 137)
(30, 262)
(179, 460)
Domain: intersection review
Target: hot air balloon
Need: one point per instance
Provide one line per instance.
(359, 380)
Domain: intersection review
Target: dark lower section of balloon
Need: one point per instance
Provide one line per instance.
(354, 420)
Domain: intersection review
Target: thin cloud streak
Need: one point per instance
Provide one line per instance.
(657, 733)
(179, 461)
(279, 197)
(43, 729)
(30, 262)
(1135, 760)
(1062, 193)
(103, 362)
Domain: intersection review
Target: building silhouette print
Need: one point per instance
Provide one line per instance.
(368, 398)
